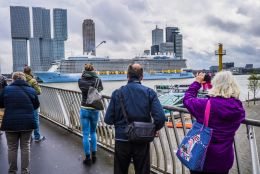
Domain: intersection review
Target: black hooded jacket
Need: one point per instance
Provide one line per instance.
(88, 78)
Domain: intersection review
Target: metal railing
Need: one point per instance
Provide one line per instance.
(62, 107)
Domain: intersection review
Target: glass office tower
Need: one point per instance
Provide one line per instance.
(60, 33)
(20, 32)
(41, 46)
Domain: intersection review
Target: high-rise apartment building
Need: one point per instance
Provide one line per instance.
(157, 36)
(173, 35)
(20, 22)
(43, 49)
(88, 31)
(41, 23)
(60, 24)
(35, 54)
(20, 32)
(41, 44)
(170, 33)
(177, 46)
(60, 33)
(20, 54)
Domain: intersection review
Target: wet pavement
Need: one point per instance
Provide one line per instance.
(60, 153)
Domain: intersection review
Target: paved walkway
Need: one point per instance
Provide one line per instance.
(60, 153)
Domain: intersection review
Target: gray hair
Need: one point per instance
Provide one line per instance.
(18, 76)
(224, 85)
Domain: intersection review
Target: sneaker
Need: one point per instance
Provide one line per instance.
(40, 139)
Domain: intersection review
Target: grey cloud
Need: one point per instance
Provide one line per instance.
(126, 26)
(246, 49)
(243, 10)
(223, 25)
(116, 23)
(199, 60)
(254, 26)
(137, 5)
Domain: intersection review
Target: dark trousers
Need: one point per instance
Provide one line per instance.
(195, 172)
(125, 151)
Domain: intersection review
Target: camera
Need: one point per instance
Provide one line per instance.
(207, 78)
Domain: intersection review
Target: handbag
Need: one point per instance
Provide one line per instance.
(193, 148)
(94, 98)
(138, 132)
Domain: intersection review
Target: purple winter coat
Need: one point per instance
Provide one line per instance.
(226, 114)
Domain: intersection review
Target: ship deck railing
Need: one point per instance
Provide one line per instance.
(62, 108)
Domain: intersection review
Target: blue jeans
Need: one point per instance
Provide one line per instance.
(36, 131)
(89, 120)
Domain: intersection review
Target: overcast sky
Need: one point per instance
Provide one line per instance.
(126, 25)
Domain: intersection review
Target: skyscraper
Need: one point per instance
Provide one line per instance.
(20, 22)
(20, 54)
(60, 24)
(20, 32)
(40, 45)
(170, 32)
(178, 48)
(41, 23)
(60, 33)
(43, 49)
(173, 35)
(88, 30)
(157, 36)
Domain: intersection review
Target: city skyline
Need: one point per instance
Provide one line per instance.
(43, 49)
(127, 26)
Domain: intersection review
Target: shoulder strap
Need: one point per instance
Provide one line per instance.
(121, 99)
(207, 113)
(96, 83)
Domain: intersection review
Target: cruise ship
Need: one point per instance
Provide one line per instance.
(155, 67)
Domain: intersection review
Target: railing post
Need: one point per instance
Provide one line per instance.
(253, 148)
(66, 118)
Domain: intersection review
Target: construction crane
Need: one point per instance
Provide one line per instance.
(220, 52)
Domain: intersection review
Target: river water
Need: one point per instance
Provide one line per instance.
(110, 86)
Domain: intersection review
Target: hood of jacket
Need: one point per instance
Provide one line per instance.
(89, 74)
(19, 83)
(231, 108)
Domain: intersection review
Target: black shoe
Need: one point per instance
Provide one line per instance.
(94, 157)
(87, 161)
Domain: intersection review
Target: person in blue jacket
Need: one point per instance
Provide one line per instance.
(141, 104)
(19, 100)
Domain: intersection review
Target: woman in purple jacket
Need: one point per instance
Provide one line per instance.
(226, 115)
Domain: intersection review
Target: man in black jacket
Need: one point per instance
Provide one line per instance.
(141, 104)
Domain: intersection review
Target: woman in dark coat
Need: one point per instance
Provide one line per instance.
(19, 100)
(88, 114)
